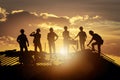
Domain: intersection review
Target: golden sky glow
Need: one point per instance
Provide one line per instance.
(100, 16)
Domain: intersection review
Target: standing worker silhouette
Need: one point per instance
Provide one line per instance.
(36, 40)
(52, 37)
(98, 39)
(37, 43)
(66, 39)
(82, 38)
(22, 40)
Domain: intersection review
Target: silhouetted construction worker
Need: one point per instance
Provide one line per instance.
(52, 37)
(22, 40)
(98, 39)
(66, 38)
(82, 38)
(36, 40)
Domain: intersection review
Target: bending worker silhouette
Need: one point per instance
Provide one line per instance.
(82, 38)
(66, 39)
(52, 37)
(36, 40)
(98, 39)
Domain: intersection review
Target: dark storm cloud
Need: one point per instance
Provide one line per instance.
(108, 9)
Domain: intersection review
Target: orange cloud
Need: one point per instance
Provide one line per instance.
(7, 42)
(16, 11)
(34, 13)
(75, 19)
(31, 20)
(47, 15)
(3, 14)
(7, 39)
(96, 17)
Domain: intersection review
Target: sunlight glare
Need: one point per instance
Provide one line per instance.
(63, 51)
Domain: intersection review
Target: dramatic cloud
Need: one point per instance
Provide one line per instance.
(7, 42)
(77, 19)
(101, 16)
(21, 19)
(46, 15)
(17, 11)
(3, 14)
(29, 21)
(53, 19)
(15, 22)
(108, 9)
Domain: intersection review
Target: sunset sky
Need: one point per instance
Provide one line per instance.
(101, 16)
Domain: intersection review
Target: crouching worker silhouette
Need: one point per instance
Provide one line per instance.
(98, 40)
(22, 40)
